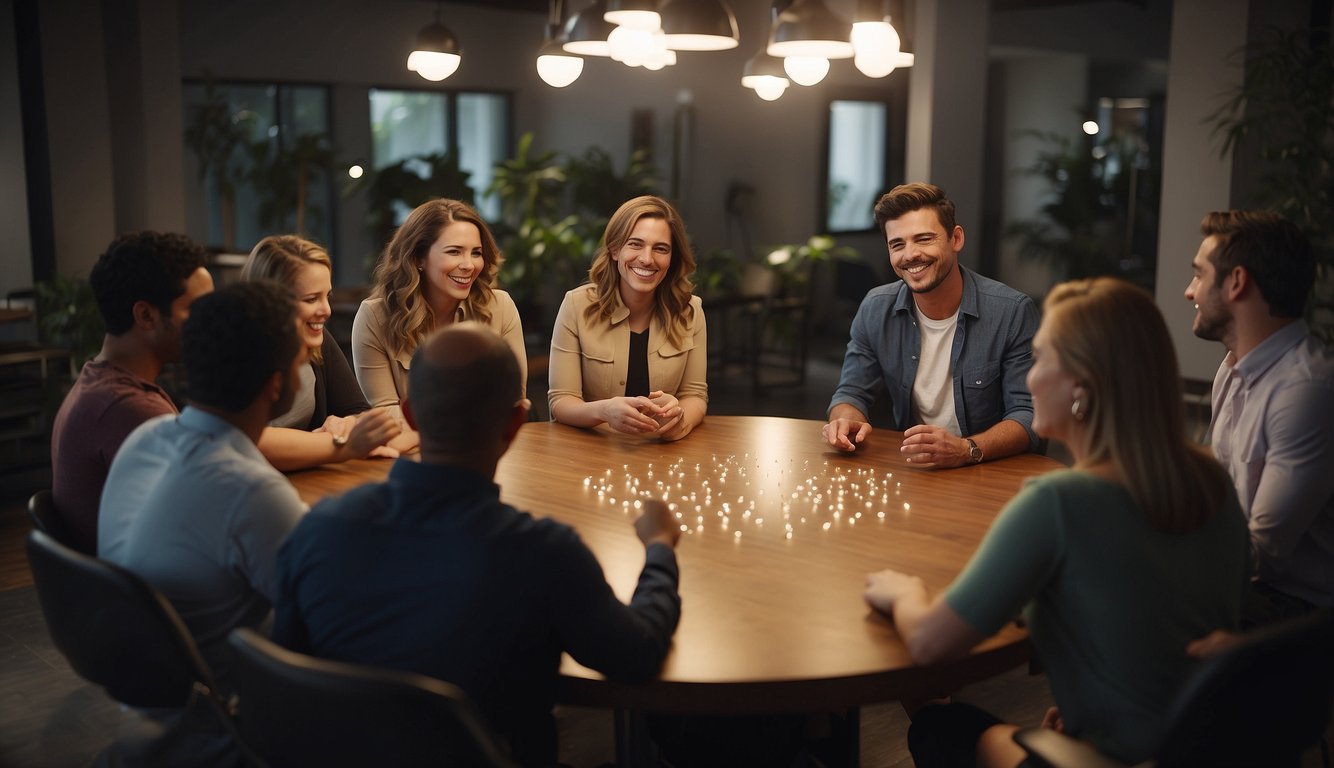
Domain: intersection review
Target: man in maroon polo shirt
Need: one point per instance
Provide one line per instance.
(144, 285)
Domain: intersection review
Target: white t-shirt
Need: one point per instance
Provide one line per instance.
(933, 388)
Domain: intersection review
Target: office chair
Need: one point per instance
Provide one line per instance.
(119, 632)
(296, 710)
(1262, 702)
(42, 514)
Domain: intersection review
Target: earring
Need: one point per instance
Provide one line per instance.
(1077, 409)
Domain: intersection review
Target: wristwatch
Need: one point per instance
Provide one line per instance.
(974, 452)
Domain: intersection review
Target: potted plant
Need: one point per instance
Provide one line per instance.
(1284, 112)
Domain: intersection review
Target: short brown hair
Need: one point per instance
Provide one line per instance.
(1269, 247)
(906, 198)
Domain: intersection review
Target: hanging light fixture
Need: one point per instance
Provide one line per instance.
(437, 54)
(699, 25)
(586, 32)
(806, 70)
(637, 14)
(555, 66)
(875, 42)
(808, 28)
(764, 75)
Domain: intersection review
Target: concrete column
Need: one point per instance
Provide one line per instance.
(1196, 179)
(947, 102)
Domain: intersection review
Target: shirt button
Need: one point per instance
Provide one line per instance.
(622, 382)
(979, 381)
(914, 357)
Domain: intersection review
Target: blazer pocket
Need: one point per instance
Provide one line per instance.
(596, 363)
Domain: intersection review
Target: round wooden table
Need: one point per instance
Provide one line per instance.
(772, 569)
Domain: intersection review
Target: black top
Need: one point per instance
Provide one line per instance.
(636, 375)
(336, 390)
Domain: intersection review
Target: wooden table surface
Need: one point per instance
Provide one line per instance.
(772, 569)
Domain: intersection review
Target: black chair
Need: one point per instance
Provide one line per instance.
(42, 513)
(119, 632)
(296, 710)
(1262, 702)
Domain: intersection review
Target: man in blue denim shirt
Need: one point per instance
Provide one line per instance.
(950, 347)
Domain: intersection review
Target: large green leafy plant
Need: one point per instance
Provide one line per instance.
(1284, 112)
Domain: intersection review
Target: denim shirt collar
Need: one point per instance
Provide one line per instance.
(967, 304)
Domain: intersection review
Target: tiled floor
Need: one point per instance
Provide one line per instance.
(49, 718)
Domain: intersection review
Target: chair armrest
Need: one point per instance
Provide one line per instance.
(1049, 749)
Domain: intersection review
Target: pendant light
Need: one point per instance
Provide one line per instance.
(586, 32)
(636, 14)
(557, 67)
(699, 25)
(809, 28)
(875, 42)
(764, 75)
(437, 54)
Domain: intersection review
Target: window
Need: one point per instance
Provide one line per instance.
(856, 164)
(265, 153)
(471, 128)
(865, 135)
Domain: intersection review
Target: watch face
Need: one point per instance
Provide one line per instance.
(974, 452)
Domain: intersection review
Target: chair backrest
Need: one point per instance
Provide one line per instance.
(296, 710)
(114, 628)
(1262, 702)
(42, 513)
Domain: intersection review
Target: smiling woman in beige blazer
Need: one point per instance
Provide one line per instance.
(629, 349)
(439, 268)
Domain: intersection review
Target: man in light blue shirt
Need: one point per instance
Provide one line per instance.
(949, 347)
(1273, 403)
(190, 504)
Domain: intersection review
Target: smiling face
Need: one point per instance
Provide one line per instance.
(1053, 390)
(311, 287)
(1212, 320)
(644, 259)
(921, 252)
(452, 265)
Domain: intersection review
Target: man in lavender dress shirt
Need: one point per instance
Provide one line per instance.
(1273, 403)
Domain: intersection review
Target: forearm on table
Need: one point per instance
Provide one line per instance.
(1006, 437)
(291, 449)
(576, 412)
(846, 411)
(931, 629)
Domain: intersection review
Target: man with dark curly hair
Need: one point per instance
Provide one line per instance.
(144, 284)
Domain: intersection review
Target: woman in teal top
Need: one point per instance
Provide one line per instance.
(1117, 563)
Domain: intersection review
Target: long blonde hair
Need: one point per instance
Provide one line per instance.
(399, 284)
(279, 258)
(1110, 336)
(671, 300)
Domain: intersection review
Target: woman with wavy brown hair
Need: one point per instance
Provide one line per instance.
(329, 420)
(1117, 563)
(439, 268)
(629, 349)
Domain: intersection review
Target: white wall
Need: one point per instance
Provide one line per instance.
(1195, 179)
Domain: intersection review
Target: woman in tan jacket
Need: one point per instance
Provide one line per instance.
(629, 349)
(439, 268)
